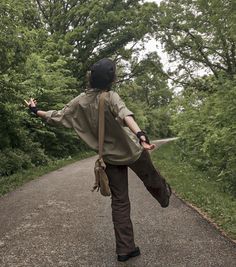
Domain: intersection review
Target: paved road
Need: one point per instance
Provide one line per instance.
(56, 221)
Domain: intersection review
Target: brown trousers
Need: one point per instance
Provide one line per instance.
(120, 204)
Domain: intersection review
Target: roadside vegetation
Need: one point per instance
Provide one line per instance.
(196, 187)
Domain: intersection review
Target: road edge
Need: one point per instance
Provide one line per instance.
(203, 214)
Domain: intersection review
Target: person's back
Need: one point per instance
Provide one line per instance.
(121, 145)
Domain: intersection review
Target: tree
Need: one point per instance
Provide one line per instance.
(18, 25)
(198, 35)
(152, 81)
(89, 30)
(148, 95)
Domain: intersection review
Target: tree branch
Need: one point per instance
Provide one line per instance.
(207, 61)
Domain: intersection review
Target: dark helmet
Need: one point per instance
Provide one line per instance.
(103, 74)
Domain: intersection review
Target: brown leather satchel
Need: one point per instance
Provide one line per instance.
(101, 179)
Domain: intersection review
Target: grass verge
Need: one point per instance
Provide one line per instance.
(9, 183)
(193, 186)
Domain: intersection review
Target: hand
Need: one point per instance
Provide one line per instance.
(31, 103)
(145, 145)
(144, 140)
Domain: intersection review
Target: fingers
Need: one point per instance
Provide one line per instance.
(32, 102)
(26, 102)
(152, 146)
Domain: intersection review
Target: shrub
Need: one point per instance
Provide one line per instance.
(207, 131)
(13, 161)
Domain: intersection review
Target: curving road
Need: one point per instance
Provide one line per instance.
(56, 221)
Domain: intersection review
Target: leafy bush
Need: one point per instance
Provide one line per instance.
(159, 122)
(207, 131)
(13, 161)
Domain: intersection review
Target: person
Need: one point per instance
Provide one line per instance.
(125, 146)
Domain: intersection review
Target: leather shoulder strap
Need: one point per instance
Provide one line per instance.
(101, 126)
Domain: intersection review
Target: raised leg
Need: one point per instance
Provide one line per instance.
(152, 179)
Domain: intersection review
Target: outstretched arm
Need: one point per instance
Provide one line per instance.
(54, 117)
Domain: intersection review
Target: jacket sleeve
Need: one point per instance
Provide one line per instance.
(118, 108)
(63, 117)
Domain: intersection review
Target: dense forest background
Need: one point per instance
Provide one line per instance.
(47, 47)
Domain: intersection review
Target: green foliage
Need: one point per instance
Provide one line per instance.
(148, 95)
(49, 79)
(200, 37)
(152, 82)
(155, 121)
(191, 185)
(25, 73)
(18, 25)
(13, 160)
(158, 124)
(86, 31)
(198, 34)
(207, 131)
